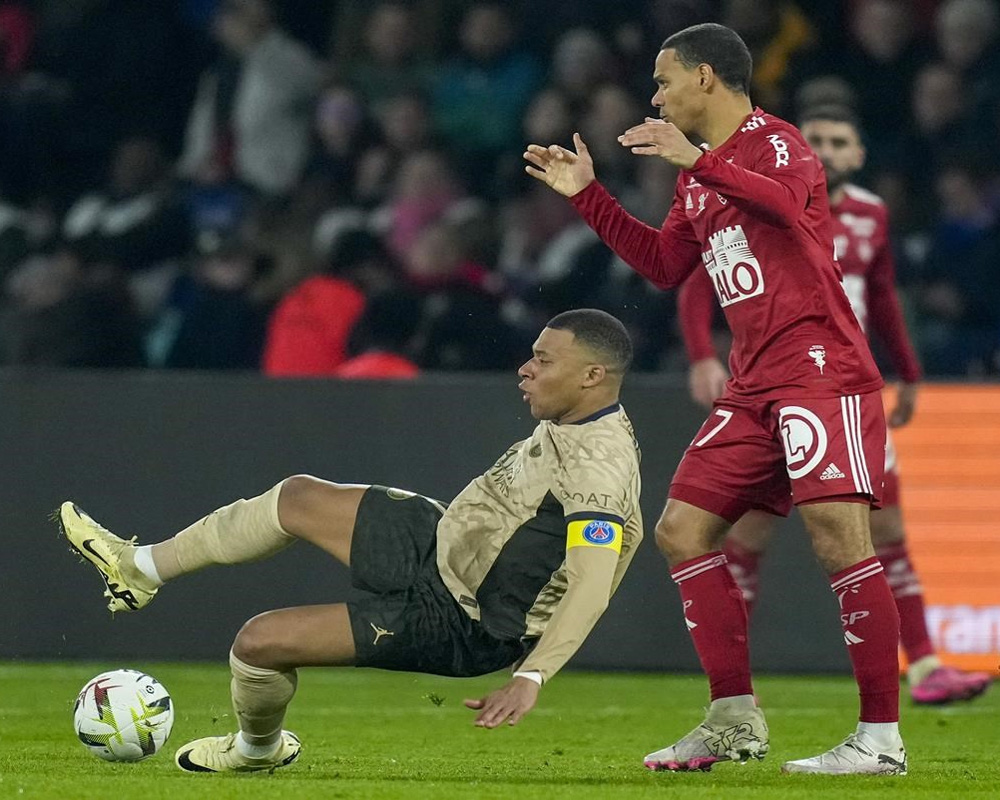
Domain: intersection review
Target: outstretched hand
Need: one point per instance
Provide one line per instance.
(507, 704)
(707, 381)
(906, 404)
(655, 137)
(563, 170)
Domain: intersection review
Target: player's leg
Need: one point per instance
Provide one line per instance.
(707, 495)
(930, 682)
(263, 661)
(745, 545)
(300, 507)
(734, 728)
(405, 620)
(835, 457)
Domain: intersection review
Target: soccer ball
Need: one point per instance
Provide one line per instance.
(123, 715)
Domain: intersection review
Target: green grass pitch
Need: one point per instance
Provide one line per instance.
(368, 734)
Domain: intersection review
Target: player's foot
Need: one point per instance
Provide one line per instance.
(856, 755)
(104, 550)
(725, 735)
(948, 685)
(220, 754)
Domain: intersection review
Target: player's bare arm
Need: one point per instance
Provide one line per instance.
(656, 137)
(559, 168)
(906, 404)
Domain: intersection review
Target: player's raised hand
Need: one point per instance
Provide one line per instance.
(707, 380)
(906, 404)
(655, 137)
(507, 704)
(565, 171)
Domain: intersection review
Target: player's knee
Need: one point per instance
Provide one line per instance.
(671, 538)
(259, 642)
(297, 497)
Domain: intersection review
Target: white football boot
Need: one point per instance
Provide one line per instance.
(727, 734)
(858, 754)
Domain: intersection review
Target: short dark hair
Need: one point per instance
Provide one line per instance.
(719, 47)
(830, 112)
(601, 332)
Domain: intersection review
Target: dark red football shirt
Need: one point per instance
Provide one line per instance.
(754, 214)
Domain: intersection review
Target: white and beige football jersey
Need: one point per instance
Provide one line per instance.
(502, 544)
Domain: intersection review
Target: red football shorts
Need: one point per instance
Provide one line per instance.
(890, 483)
(779, 453)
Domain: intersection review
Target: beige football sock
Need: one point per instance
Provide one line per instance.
(260, 697)
(246, 530)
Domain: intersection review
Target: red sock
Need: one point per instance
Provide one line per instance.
(909, 596)
(717, 621)
(871, 631)
(745, 567)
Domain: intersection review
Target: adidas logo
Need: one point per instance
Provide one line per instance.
(832, 471)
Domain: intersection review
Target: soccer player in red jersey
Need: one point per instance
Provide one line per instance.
(861, 242)
(751, 208)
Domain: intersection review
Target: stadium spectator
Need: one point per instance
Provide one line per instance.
(581, 59)
(549, 117)
(515, 571)
(343, 132)
(391, 63)
(879, 63)
(751, 208)
(775, 31)
(309, 330)
(957, 296)
(214, 322)
(942, 127)
(967, 34)
(405, 128)
(251, 117)
(864, 253)
(610, 110)
(480, 96)
(58, 311)
(423, 190)
(383, 338)
(463, 301)
(135, 221)
(17, 35)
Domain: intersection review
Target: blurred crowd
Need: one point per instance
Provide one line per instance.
(336, 188)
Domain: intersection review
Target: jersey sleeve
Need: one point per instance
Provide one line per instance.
(695, 310)
(885, 317)
(775, 188)
(664, 257)
(591, 580)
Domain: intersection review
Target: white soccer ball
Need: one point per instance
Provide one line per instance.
(123, 715)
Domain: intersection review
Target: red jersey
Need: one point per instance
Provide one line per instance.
(377, 365)
(754, 213)
(308, 331)
(861, 242)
